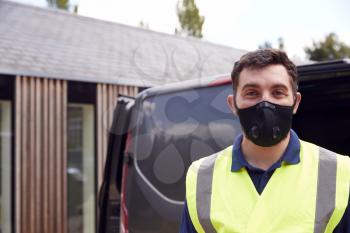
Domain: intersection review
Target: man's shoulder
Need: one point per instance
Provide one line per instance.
(343, 160)
(211, 158)
(320, 148)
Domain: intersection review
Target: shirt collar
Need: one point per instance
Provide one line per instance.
(290, 156)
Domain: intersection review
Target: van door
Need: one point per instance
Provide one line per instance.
(172, 129)
(109, 198)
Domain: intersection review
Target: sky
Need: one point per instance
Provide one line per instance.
(242, 24)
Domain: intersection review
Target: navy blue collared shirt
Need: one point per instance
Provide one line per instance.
(260, 178)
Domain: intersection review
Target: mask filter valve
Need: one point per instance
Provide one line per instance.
(254, 131)
(276, 132)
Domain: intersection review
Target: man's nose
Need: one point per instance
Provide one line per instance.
(266, 96)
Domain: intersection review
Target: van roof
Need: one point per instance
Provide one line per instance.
(325, 69)
(314, 71)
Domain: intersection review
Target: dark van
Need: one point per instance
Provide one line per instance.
(156, 136)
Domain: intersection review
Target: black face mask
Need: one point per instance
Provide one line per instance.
(265, 123)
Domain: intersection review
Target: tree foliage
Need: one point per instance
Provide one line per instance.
(265, 45)
(190, 21)
(328, 49)
(143, 25)
(268, 45)
(280, 43)
(63, 4)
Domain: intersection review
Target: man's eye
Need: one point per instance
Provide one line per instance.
(278, 93)
(251, 93)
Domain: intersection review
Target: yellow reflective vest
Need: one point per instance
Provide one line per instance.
(309, 197)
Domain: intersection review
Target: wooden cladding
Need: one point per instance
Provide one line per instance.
(106, 102)
(40, 155)
(41, 149)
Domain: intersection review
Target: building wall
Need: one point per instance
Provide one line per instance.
(40, 154)
(41, 149)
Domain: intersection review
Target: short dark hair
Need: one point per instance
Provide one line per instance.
(262, 58)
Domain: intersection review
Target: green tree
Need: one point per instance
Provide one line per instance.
(63, 4)
(328, 49)
(268, 44)
(265, 45)
(76, 8)
(190, 21)
(143, 25)
(280, 43)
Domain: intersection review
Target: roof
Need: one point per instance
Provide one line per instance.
(57, 44)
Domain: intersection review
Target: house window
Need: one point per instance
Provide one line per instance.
(5, 166)
(81, 168)
(81, 158)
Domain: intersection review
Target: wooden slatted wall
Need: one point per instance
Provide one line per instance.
(41, 150)
(40, 155)
(106, 102)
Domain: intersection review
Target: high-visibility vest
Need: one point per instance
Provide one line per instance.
(308, 197)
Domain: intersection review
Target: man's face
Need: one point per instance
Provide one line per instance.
(271, 83)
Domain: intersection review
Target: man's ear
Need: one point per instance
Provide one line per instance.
(297, 102)
(231, 104)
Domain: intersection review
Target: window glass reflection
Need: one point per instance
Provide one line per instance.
(81, 169)
(5, 166)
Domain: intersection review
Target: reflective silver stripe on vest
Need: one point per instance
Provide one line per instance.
(203, 195)
(326, 188)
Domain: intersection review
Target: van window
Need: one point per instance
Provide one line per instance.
(178, 128)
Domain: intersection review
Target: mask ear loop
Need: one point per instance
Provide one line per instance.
(235, 103)
(294, 102)
(295, 96)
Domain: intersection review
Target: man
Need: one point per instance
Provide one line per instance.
(269, 181)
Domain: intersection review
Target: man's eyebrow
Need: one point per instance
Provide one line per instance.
(254, 85)
(250, 85)
(279, 86)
